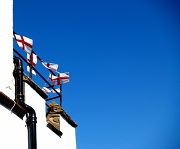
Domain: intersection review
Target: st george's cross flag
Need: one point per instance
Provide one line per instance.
(61, 78)
(32, 59)
(32, 71)
(51, 66)
(45, 89)
(24, 42)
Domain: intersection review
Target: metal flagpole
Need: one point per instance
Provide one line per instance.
(30, 67)
(61, 95)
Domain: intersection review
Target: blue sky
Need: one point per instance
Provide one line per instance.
(123, 59)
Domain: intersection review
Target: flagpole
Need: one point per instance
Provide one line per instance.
(30, 67)
(61, 95)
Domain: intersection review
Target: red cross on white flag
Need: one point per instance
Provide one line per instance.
(30, 70)
(24, 42)
(61, 78)
(45, 89)
(51, 66)
(32, 59)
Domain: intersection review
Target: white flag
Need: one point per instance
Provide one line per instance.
(61, 78)
(32, 59)
(24, 42)
(57, 89)
(51, 66)
(33, 72)
(45, 89)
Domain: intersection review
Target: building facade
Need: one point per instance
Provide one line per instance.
(53, 128)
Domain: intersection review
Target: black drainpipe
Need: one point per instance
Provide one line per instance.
(31, 119)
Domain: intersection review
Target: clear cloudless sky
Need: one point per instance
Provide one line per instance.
(123, 59)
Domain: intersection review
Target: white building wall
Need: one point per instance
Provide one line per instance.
(6, 44)
(69, 134)
(13, 132)
(46, 137)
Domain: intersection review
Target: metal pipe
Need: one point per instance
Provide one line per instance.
(19, 98)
